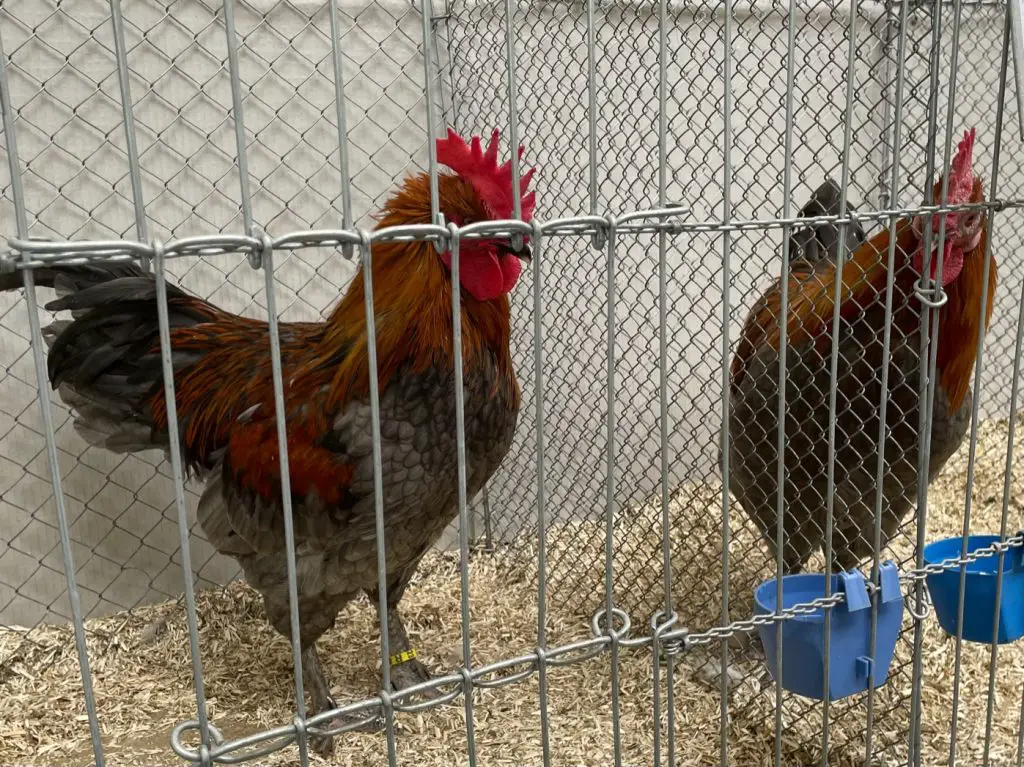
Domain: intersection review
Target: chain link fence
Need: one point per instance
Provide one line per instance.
(553, 80)
(64, 87)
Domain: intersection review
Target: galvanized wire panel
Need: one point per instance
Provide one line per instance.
(552, 39)
(203, 169)
(553, 51)
(64, 86)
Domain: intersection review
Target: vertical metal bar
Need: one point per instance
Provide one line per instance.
(929, 320)
(609, 549)
(1020, 732)
(538, 394)
(727, 138)
(1015, 8)
(472, 523)
(886, 149)
(42, 382)
(341, 115)
(280, 418)
(460, 454)
(1008, 475)
(844, 185)
(979, 359)
(14, 167)
(592, 113)
(443, 41)
(237, 114)
(428, 94)
(666, 537)
(366, 248)
(1008, 471)
(513, 111)
(780, 445)
(128, 117)
(891, 192)
(1003, 522)
(180, 506)
(926, 419)
(488, 533)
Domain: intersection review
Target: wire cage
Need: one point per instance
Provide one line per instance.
(676, 143)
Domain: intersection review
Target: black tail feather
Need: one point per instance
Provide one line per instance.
(66, 278)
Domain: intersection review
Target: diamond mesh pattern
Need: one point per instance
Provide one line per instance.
(553, 113)
(552, 81)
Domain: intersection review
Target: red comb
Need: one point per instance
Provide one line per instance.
(961, 174)
(492, 183)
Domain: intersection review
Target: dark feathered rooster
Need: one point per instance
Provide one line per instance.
(754, 383)
(105, 363)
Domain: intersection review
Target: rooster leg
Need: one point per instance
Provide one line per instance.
(410, 671)
(315, 682)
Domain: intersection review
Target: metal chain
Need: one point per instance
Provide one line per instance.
(999, 547)
(748, 625)
(505, 672)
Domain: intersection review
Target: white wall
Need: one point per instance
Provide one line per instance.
(77, 186)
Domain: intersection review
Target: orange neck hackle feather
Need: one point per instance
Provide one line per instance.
(812, 297)
(960, 321)
(412, 300)
(863, 278)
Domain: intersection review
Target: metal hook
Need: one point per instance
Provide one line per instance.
(622, 631)
(202, 755)
(441, 243)
(925, 601)
(933, 296)
(661, 625)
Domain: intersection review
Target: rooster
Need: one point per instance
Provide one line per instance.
(106, 365)
(754, 381)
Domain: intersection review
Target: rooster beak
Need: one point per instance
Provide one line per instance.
(523, 254)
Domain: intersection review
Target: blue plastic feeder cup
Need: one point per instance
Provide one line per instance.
(979, 590)
(803, 637)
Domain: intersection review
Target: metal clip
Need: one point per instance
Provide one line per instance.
(932, 296)
(926, 603)
(661, 625)
(256, 255)
(441, 244)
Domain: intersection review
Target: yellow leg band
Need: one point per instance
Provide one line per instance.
(402, 657)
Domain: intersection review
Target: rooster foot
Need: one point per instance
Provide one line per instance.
(323, 745)
(320, 692)
(409, 673)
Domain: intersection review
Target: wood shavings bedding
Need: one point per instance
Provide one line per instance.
(143, 679)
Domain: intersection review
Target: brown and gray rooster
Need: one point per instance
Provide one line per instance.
(105, 363)
(754, 382)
